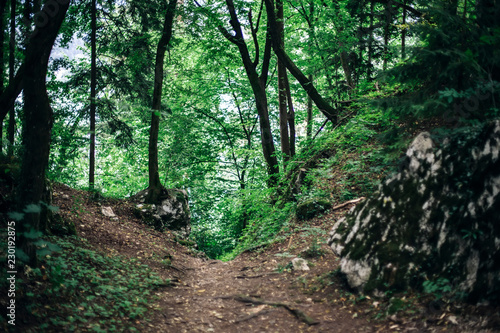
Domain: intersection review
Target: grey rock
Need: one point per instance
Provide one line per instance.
(438, 218)
(300, 264)
(108, 211)
(170, 212)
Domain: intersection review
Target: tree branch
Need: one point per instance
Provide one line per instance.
(323, 106)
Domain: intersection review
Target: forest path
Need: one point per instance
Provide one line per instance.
(256, 292)
(215, 296)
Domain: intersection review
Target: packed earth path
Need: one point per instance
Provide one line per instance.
(256, 292)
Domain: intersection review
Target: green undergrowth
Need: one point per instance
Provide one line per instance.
(346, 163)
(79, 289)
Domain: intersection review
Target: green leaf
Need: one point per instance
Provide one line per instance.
(16, 216)
(32, 208)
(33, 234)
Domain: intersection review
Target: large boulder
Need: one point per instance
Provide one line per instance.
(436, 221)
(170, 212)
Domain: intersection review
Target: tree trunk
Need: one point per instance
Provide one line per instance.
(291, 118)
(488, 12)
(387, 24)
(27, 10)
(370, 41)
(309, 113)
(3, 5)
(154, 188)
(282, 92)
(323, 106)
(258, 87)
(37, 124)
(93, 84)
(11, 92)
(344, 61)
(12, 48)
(403, 33)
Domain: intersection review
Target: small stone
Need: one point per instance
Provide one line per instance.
(108, 211)
(300, 264)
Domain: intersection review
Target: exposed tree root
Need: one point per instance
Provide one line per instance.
(253, 315)
(296, 312)
(347, 203)
(255, 276)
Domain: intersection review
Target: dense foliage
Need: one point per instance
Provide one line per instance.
(385, 67)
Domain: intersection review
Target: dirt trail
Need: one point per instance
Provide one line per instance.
(215, 296)
(256, 292)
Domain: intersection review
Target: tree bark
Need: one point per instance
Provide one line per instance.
(27, 10)
(282, 92)
(403, 33)
(344, 61)
(38, 120)
(3, 5)
(12, 48)
(309, 113)
(387, 24)
(291, 118)
(154, 188)
(323, 106)
(93, 84)
(258, 87)
(370, 41)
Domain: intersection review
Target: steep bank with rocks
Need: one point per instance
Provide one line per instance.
(436, 222)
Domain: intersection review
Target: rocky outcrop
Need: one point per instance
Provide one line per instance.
(436, 220)
(171, 212)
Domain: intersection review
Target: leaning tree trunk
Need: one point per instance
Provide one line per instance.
(37, 127)
(323, 105)
(154, 188)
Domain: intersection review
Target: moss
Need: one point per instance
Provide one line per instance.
(311, 207)
(60, 226)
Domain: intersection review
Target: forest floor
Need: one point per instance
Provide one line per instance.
(258, 291)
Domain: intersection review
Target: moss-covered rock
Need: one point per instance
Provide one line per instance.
(311, 207)
(438, 218)
(170, 212)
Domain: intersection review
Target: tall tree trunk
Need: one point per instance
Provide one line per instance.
(344, 61)
(323, 106)
(309, 113)
(11, 92)
(154, 188)
(403, 33)
(93, 84)
(291, 118)
(488, 12)
(370, 41)
(387, 24)
(37, 124)
(282, 92)
(258, 87)
(3, 5)
(309, 116)
(12, 48)
(27, 11)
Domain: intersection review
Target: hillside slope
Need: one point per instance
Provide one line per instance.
(258, 291)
